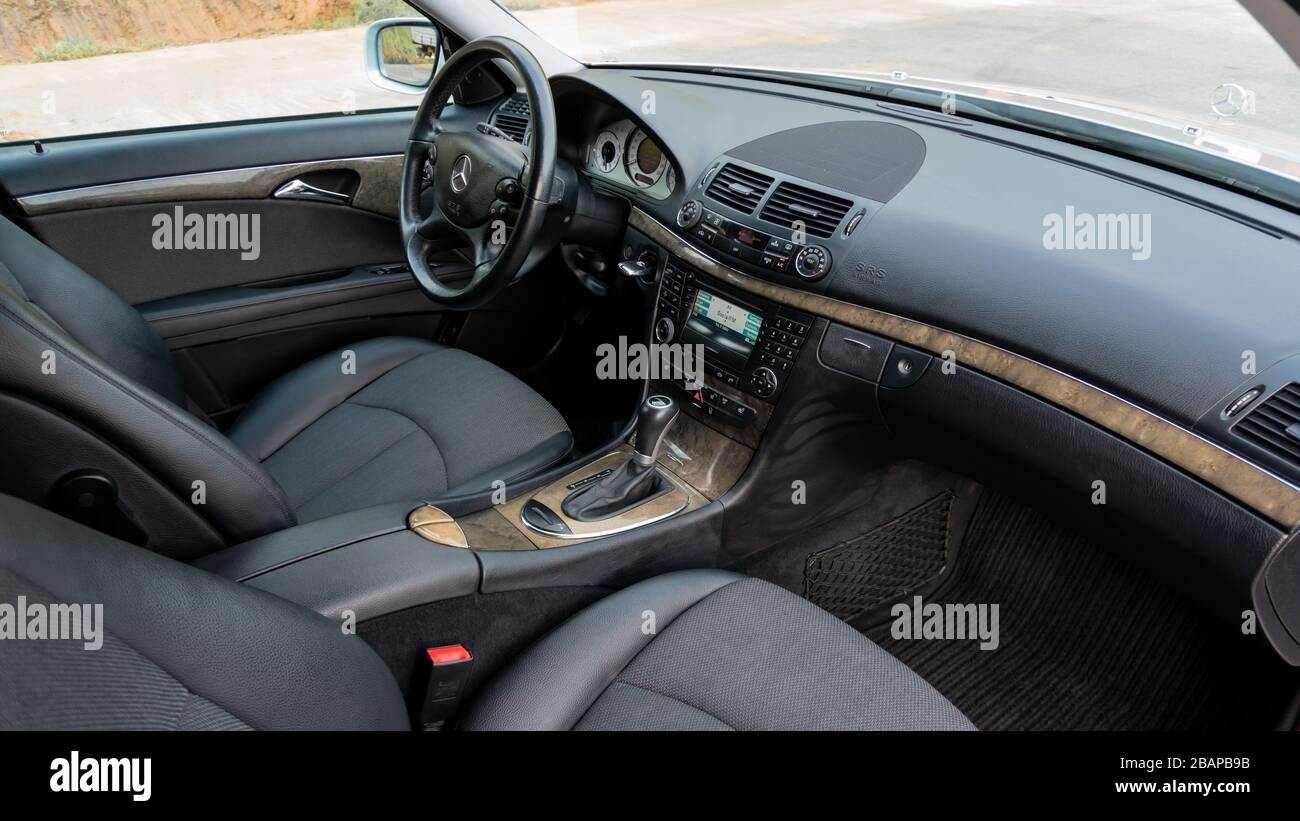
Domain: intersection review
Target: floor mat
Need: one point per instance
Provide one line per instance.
(1086, 641)
(906, 554)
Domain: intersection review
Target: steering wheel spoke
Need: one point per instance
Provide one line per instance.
(435, 226)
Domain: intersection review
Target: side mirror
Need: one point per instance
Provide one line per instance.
(402, 53)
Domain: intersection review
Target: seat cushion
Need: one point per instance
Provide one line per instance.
(709, 650)
(170, 647)
(412, 421)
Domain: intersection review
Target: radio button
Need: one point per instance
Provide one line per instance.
(664, 329)
(764, 382)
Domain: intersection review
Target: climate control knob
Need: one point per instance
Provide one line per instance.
(764, 382)
(812, 262)
(688, 216)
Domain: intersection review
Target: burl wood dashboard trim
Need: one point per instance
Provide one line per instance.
(681, 499)
(436, 525)
(1249, 484)
(381, 177)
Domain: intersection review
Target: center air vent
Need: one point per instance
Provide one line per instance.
(738, 187)
(820, 213)
(1274, 426)
(513, 117)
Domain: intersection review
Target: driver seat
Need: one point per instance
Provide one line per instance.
(95, 422)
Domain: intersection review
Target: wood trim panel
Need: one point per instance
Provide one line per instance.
(1249, 484)
(681, 499)
(381, 177)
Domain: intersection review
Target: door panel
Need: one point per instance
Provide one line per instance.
(79, 163)
(376, 182)
(286, 238)
(284, 279)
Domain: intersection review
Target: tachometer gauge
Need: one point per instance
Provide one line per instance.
(604, 152)
(644, 160)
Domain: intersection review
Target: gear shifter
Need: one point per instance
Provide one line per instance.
(655, 417)
(637, 480)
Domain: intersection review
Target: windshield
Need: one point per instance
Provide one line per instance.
(1174, 63)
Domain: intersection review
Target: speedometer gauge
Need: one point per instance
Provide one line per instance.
(644, 160)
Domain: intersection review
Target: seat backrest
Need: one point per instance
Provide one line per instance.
(86, 384)
(134, 640)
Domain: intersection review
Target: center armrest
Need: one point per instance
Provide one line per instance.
(366, 561)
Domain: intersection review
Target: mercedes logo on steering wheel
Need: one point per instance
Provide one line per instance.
(460, 173)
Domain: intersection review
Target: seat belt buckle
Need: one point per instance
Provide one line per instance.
(449, 669)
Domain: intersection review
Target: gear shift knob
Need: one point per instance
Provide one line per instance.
(653, 420)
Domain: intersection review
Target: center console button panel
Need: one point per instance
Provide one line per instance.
(750, 344)
(739, 242)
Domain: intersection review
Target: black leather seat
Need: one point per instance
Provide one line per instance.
(416, 420)
(85, 383)
(185, 649)
(724, 652)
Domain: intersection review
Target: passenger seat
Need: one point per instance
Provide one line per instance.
(188, 650)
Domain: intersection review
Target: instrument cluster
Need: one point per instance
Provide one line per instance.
(624, 154)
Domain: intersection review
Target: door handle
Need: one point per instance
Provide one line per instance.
(299, 190)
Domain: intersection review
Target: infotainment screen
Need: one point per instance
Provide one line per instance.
(726, 329)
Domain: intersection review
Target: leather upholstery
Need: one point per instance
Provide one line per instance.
(724, 652)
(185, 649)
(88, 311)
(115, 394)
(113, 377)
(293, 402)
(415, 421)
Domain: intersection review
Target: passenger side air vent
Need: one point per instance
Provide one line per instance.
(820, 213)
(738, 187)
(513, 117)
(1274, 426)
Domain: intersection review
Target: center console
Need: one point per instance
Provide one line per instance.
(749, 344)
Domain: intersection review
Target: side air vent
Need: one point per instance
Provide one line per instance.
(513, 117)
(738, 187)
(820, 213)
(1275, 425)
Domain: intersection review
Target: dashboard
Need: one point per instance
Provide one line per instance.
(624, 154)
(924, 234)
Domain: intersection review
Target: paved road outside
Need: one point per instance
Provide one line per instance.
(1162, 56)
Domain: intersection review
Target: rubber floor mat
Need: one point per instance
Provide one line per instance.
(1086, 641)
(901, 556)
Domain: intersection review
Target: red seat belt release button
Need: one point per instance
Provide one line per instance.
(449, 669)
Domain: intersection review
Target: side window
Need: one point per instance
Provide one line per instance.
(103, 66)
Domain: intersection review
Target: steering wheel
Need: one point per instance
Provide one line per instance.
(481, 183)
